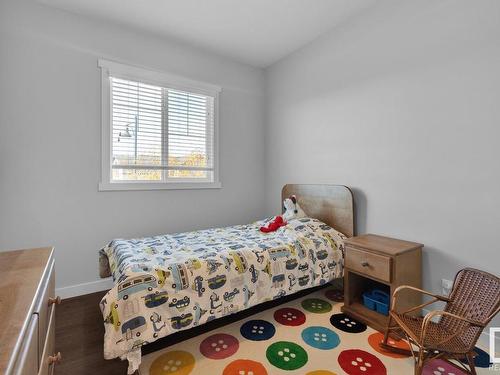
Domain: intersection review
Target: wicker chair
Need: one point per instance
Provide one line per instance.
(452, 333)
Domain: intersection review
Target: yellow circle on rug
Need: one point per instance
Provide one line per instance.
(177, 362)
(321, 372)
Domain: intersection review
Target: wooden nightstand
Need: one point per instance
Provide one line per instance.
(373, 261)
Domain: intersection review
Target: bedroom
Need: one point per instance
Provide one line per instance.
(398, 100)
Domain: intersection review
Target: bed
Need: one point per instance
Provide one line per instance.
(173, 282)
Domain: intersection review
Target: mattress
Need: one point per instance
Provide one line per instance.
(173, 282)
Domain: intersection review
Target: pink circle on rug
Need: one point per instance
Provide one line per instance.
(219, 346)
(359, 362)
(289, 316)
(440, 367)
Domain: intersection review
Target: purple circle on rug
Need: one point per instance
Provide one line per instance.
(440, 367)
(219, 346)
(335, 295)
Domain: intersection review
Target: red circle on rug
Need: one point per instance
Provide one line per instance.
(375, 339)
(244, 366)
(440, 367)
(219, 346)
(335, 295)
(359, 362)
(289, 316)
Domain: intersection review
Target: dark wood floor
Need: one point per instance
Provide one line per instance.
(80, 334)
(79, 338)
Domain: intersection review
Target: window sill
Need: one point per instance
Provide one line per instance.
(124, 186)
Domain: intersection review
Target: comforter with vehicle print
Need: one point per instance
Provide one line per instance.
(172, 282)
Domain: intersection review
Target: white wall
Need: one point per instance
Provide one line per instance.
(401, 103)
(50, 139)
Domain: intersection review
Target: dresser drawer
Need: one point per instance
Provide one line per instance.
(26, 285)
(370, 264)
(27, 360)
(43, 306)
(49, 359)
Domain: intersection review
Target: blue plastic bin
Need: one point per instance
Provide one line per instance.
(368, 301)
(377, 300)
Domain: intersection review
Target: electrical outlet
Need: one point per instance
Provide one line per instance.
(446, 285)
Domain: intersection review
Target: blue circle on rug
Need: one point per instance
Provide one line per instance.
(257, 330)
(320, 338)
(482, 359)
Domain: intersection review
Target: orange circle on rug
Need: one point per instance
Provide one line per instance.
(177, 362)
(321, 372)
(244, 366)
(376, 338)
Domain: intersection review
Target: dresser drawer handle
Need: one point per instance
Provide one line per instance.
(55, 300)
(55, 359)
(365, 264)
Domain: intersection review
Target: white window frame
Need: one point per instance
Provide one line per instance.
(111, 68)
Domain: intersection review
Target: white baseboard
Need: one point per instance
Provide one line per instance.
(85, 288)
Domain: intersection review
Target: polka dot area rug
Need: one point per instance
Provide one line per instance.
(308, 336)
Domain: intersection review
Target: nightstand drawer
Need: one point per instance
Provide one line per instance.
(367, 263)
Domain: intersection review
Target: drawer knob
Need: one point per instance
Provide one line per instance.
(55, 300)
(55, 359)
(365, 264)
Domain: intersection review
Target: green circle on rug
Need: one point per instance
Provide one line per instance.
(316, 305)
(286, 355)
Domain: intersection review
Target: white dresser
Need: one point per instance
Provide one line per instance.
(27, 308)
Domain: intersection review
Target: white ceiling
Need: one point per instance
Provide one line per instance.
(256, 32)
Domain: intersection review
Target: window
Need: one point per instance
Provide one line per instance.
(158, 131)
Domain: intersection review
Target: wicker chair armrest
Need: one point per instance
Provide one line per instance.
(428, 318)
(403, 287)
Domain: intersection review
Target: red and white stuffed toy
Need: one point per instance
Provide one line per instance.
(292, 211)
(273, 225)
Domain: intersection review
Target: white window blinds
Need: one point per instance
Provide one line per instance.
(160, 134)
